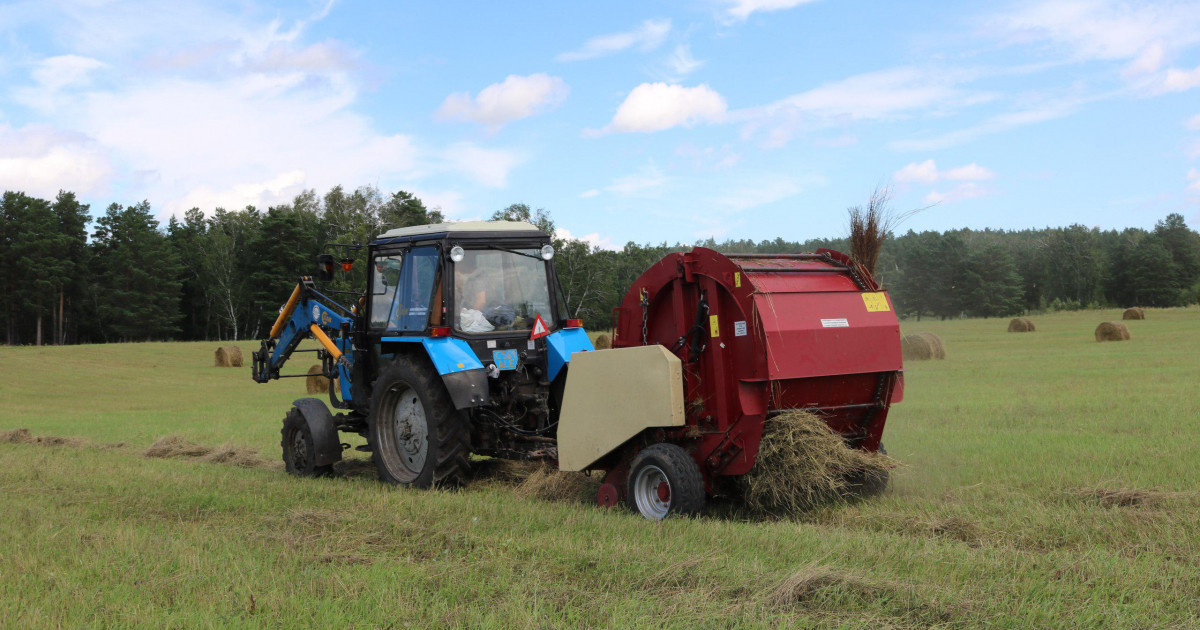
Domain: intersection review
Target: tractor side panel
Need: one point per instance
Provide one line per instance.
(561, 345)
(612, 396)
(461, 371)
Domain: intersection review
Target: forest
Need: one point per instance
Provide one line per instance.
(66, 277)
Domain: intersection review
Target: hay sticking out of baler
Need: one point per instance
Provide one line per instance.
(549, 484)
(802, 464)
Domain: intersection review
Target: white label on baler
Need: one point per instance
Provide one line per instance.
(739, 329)
(835, 323)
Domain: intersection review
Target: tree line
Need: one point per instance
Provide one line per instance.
(68, 278)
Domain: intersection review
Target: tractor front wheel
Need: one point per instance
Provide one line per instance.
(665, 481)
(299, 452)
(417, 436)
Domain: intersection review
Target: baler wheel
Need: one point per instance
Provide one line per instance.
(299, 452)
(664, 481)
(417, 437)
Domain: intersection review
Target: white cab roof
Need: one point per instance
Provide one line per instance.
(461, 226)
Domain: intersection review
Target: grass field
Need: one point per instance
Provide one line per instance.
(1049, 480)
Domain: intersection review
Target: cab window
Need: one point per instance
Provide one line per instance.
(385, 276)
(410, 310)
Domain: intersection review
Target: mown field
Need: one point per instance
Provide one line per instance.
(1048, 480)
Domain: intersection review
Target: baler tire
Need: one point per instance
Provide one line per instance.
(300, 461)
(685, 482)
(448, 431)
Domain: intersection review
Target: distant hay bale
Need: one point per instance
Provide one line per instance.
(802, 463)
(922, 347)
(549, 484)
(228, 356)
(1021, 324)
(603, 342)
(1134, 313)
(316, 383)
(1112, 331)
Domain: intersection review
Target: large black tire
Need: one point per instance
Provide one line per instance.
(417, 437)
(664, 481)
(299, 452)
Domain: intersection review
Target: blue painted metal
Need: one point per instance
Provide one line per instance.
(561, 345)
(309, 312)
(449, 355)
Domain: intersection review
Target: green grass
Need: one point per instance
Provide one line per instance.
(989, 522)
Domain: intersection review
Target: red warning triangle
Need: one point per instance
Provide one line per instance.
(539, 328)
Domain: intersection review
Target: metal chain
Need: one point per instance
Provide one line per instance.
(645, 316)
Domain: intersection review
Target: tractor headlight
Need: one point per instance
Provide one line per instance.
(547, 252)
(457, 253)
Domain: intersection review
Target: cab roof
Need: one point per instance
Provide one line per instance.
(520, 228)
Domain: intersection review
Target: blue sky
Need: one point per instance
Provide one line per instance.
(642, 121)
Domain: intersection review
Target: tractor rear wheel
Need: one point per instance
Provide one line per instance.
(299, 452)
(417, 436)
(665, 481)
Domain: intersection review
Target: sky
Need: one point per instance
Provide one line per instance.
(627, 121)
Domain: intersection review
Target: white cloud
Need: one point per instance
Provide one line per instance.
(962, 192)
(40, 160)
(593, 240)
(658, 106)
(928, 173)
(648, 36)
(277, 190)
(741, 9)
(587, 194)
(1193, 123)
(994, 124)
(645, 183)
(1150, 60)
(681, 62)
(514, 98)
(1140, 31)
(1194, 177)
(1181, 80)
(489, 167)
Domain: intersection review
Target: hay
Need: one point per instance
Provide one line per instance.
(317, 384)
(1112, 331)
(802, 463)
(174, 446)
(1021, 324)
(603, 342)
(922, 347)
(1134, 313)
(548, 484)
(228, 356)
(1121, 497)
(23, 436)
(807, 583)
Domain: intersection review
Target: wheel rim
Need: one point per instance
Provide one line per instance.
(299, 451)
(652, 492)
(404, 434)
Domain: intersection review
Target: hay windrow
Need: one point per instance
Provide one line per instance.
(1112, 331)
(1134, 312)
(809, 582)
(1021, 324)
(227, 356)
(1121, 497)
(548, 484)
(802, 464)
(315, 383)
(922, 347)
(174, 446)
(23, 436)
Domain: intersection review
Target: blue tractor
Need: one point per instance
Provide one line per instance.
(459, 344)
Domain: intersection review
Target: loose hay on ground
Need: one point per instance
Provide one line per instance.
(922, 347)
(1112, 331)
(228, 356)
(802, 464)
(23, 436)
(1021, 324)
(173, 446)
(1134, 313)
(549, 484)
(1121, 497)
(316, 384)
(805, 584)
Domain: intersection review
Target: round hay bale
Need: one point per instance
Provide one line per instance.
(1134, 313)
(1021, 324)
(316, 383)
(922, 347)
(228, 356)
(1112, 331)
(603, 342)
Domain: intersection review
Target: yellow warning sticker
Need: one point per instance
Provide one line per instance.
(737, 279)
(714, 327)
(876, 302)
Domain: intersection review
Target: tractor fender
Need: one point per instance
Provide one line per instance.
(323, 428)
(462, 372)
